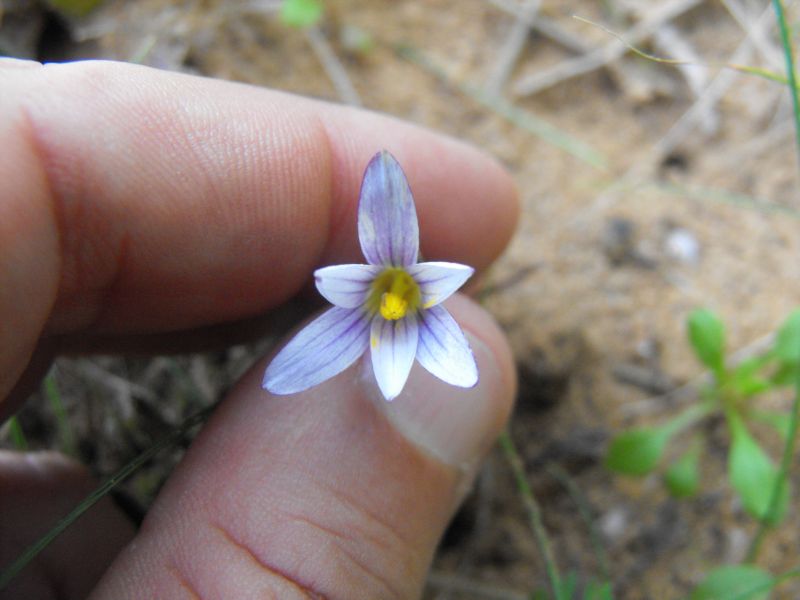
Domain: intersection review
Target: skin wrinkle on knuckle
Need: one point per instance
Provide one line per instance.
(183, 582)
(29, 137)
(350, 562)
(78, 253)
(40, 222)
(304, 590)
(360, 534)
(336, 213)
(377, 530)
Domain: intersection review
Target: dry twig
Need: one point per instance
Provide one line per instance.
(769, 52)
(715, 90)
(512, 47)
(604, 55)
(333, 67)
(544, 26)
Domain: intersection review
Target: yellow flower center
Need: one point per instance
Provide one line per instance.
(393, 294)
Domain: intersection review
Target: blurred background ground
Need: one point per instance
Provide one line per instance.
(647, 190)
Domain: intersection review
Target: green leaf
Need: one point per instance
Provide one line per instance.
(787, 340)
(786, 374)
(17, 435)
(567, 586)
(707, 336)
(742, 582)
(683, 477)
(778, 421)
(752, 473)
(751, 386)
(637, 451)
(598, 591)
(745, 379)
(301, 13)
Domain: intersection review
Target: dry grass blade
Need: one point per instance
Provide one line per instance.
(641, 170)
(669, 41)
(547, 27)
(714, 92)
(769, 52)
(523, 119)
(512, 47)
(333, 67)
(604, 55)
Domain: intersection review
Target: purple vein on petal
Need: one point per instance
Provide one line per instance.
(321, 350)
(438, 280)
(443, 350)
(387, 219)
(346, 286)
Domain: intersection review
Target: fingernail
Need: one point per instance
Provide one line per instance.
(455, 425)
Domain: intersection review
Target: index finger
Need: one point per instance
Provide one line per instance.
(152, 201)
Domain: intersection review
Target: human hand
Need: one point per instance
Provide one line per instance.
(139, 207)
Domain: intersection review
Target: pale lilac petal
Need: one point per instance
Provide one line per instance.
(438, 280)
(443, 350)
(324, 348)
(387, 220)
(393, 347)
(345, 286)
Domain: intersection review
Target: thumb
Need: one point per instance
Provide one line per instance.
(329, 493)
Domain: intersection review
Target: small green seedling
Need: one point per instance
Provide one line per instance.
(742, 582)
(734, 394)
(301, 13)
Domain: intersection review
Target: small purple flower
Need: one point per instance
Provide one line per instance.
(391, 305)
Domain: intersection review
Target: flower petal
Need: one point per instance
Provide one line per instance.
(438, 280)
(324, 348)
(346, 286)
(387, 220)
(394, 345)
(443, 350)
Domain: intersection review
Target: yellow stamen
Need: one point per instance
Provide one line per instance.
(393, 307)
(393, 294)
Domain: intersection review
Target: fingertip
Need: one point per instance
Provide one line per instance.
(458, 425)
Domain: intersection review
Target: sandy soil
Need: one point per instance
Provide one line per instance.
(663, 208)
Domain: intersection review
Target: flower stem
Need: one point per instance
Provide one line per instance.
(17, 435)
(32, 551)
(780, 481)
(789, 445)
(534, 511)
(791, 76)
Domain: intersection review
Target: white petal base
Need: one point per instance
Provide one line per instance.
(393, 345)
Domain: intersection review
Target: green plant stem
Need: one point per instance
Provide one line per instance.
(534, 511)
(780, 480)
(32, 551)
(53, 395)
(17, 435)
(586, 514)
(786, 41)
(687, 418)
(789, 445)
